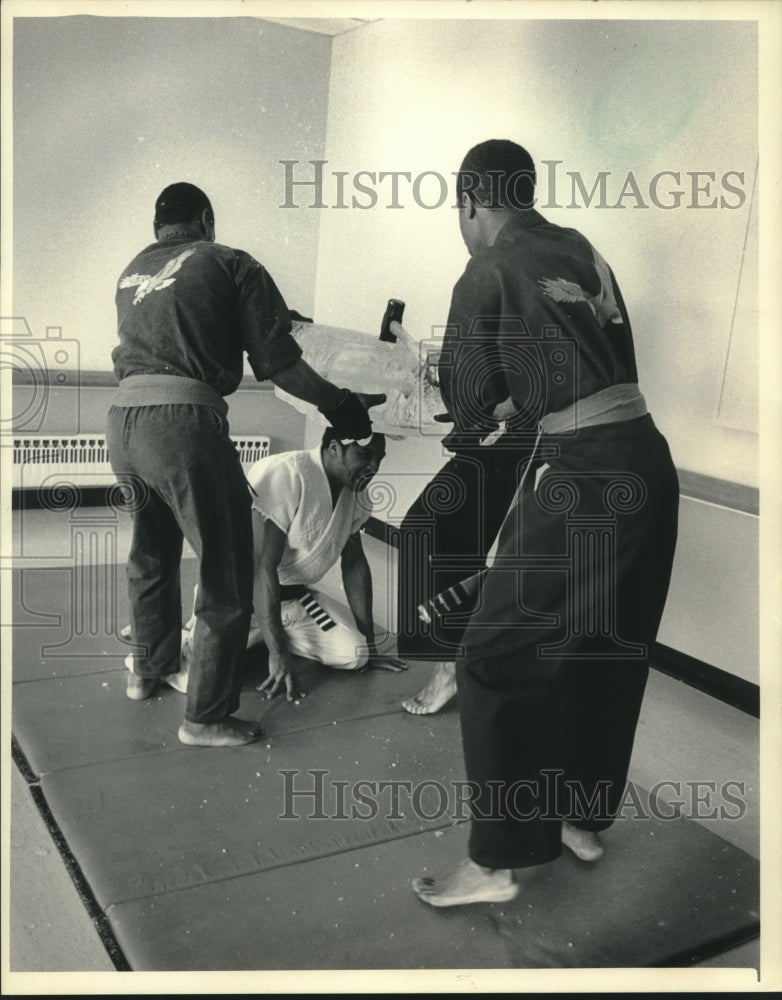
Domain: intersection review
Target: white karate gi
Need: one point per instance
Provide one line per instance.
(292, 491)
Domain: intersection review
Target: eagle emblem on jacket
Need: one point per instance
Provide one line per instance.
(155, 282)
(603, 305)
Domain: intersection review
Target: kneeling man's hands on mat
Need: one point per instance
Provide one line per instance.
(281, 673)
(383, 661)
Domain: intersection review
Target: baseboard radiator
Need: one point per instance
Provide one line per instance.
(45, 461)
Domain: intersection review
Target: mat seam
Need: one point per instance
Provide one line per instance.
(102, 923)
(20, 759)
(184, 748)
(287, 864)
(86, 896)
(65, 677)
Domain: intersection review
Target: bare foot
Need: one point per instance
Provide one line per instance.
(583, 843)
(178, 681)
(141, 688)
(228, 732)
(125, 632)
(470, 883)
(437, 693)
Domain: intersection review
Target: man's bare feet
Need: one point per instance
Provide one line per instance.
(178, 681)
(470, 883)
(436, 694)
(228, 732)
(583, 843)
(140, 688)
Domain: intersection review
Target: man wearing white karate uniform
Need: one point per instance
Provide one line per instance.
(308, 510)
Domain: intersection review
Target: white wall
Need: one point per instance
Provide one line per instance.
(610, 96)
(109, 110)
(599, 96)
(712, 607)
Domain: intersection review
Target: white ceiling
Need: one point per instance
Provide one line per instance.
(322, 25)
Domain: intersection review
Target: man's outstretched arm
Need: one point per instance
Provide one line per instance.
(268, 549)
(357, 580)
(346, 411)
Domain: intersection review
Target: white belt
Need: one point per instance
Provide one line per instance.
(157, 390)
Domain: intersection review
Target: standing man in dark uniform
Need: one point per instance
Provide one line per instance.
(444, 537)
(556, 652)
(447, 533)
(188, 310)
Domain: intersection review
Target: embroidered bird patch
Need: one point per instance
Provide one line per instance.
(603, 305)
(155, 282)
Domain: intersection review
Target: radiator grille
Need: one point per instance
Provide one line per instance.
(39, 459)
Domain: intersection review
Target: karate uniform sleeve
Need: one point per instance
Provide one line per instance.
(263, 320)
(277, 493)
(474, 382)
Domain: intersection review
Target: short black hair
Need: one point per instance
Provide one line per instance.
(498, 173)
(181, 202)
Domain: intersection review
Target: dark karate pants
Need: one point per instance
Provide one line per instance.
(445, 537)
(551, 684)
(187, 477)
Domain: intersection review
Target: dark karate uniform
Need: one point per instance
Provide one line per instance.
(556, 652)
(444, 537)
(449, 529)
(191, 310)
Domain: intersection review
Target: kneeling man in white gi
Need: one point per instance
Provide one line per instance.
(308, 509)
